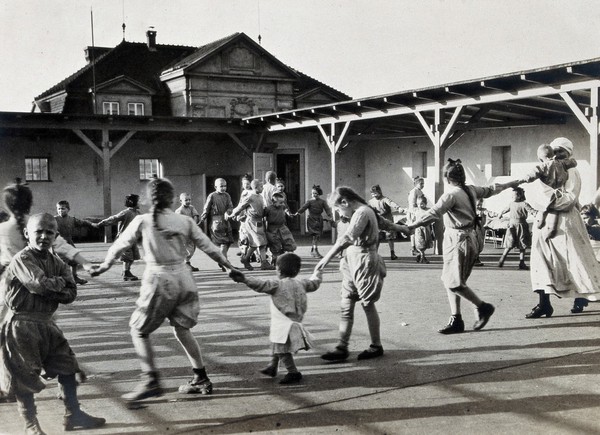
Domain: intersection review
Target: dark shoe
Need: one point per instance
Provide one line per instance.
(478, 263)
(80, 281)
(339, 354)
(393, 256)
(222, 268)
(246, 263)
(270, 371)
(579, 305)
(484, 312)
(317, 254)
(418, 259)
(539, 311)
(424, 260)
(523, 266)
(291, 378)
(266, 266)
(192, 268)
(372, 352)
(454, 326)
(144, 390)
(501, 263)
(312, 252)
(81, 420)
(128, 276)
(195, 386)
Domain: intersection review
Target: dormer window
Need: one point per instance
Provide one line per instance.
(135, 109)
(110, 108)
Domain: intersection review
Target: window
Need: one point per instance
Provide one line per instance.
(136, 109)
(36, 169)
(150, 168)
(110, 107)
(500, 161)
(419, 164)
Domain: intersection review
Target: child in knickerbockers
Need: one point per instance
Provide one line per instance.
(423, 235)
(461, 242)
(124, 218)
(288, 306)
(279, 236)
(66, 227)
(385, 206)
(187, 209)
(168, 289)
(254, 206)
(217, 207)
(314, 222)
(37, 281)
(517, 235)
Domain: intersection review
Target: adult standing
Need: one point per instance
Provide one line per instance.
(413, 204)
(564, 265)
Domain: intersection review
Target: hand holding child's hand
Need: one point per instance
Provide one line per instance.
(98, 269)
(405, 230)
(320, 265)
(237, 276)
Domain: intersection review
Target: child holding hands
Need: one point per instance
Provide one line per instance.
(288, 305)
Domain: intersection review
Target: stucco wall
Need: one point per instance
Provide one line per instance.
(389, 163)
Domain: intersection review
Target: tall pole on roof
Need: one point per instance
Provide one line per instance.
(259, 37)
(123, 3)
(93, 63)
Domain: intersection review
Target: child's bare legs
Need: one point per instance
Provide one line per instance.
(420, 256)
(314, 250)
(456, 324)
(264, 263)
(127, 275)
(503, 257)
(225, 252)
(522, 264)
(392, 252)
(293, 375)
(200, 383)
(246, 257)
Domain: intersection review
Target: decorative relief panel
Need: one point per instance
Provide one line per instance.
(242, 107)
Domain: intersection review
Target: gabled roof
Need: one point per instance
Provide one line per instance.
(207, 50)
(307, 85)
(131, 59)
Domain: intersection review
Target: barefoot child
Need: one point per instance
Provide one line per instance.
(66, 227)
(168, 289)
(124, 218)
(187, 209)
(217, 206)
(314, 223)
(36, 282)
(288, 306)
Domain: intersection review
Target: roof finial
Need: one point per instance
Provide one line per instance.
(259, 37)
(123, 25)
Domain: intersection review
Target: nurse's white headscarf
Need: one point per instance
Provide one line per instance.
(563, 143)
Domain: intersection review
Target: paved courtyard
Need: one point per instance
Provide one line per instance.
(517, 375)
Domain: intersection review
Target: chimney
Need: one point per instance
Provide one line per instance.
(151, 38)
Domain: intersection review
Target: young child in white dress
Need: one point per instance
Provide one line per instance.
(288, 305)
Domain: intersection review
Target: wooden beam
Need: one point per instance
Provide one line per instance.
(81, 135)
(241, 144)
(426, 126)
(122, 142)
(576, 111)
(451, 125)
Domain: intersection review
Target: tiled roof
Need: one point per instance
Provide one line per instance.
(306, 83)
(132, 59)
(200, 53)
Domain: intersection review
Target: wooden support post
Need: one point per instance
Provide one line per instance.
(439, 154)
(594, 152)
(106, 191)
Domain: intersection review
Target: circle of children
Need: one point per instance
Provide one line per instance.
(35, 280)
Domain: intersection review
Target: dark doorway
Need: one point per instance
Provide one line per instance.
(288, 168)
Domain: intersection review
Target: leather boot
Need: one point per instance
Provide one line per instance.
(543, 308)
(149, 387)
(455, 326)
(75, 417)
(28, 411)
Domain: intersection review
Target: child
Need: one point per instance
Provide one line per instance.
(413, 198)
(362, 268)
(457, 206)
(424, 234)
(280, 188)
(518, 234)
(288, 305)
(66, 228)
(168, 289)
(269, 187)
(124, 218)
(187, 209)
(314, 223)
(217, 206)
(241, 217)
(552, 172)
(279, 237)
(384, 205)
(254, 206)
(36, 282)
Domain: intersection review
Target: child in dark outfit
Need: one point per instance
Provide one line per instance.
(288, 305)
(37, 281)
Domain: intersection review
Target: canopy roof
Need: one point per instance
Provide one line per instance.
(540, 96)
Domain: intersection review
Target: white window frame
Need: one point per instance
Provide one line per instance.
(150, 167)
(37, 169)
(108, 107)
(138, 109)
